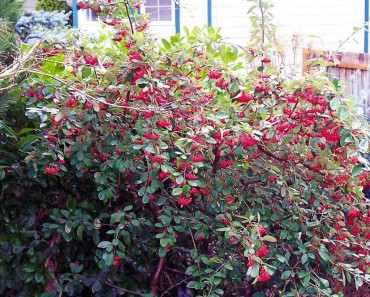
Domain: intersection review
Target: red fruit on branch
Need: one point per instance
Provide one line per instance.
(262, 251)
(190, 176)
(52, 170)
(264, 276)
(244, 98)
(184, 201)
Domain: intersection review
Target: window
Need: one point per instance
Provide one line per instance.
(159, 10)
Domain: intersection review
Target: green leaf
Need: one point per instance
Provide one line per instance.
(75, 268)
(254, 270)
(228, 266)
(177, 191)
(162, 252)
(110, 77)
(104, 244)
(281, 258)
(323, 252)
(24, 142)
(166, 44)
(128, 208)
(306, 279)
(142, 191)
(164, 241)
(274, 217)
(335, 103)
(39, 276)
(109, 259)
(25, 130)
(304, 259)
(206, 261)
(192, 284)
(67, 228)
(179, 179)
(269, 238)
(286, 274)
(96, 107)
(358, 282)
(80, 155)
(283, 234)
(222, 115)
(335, 82)
(324, 282)
(28, 268)
(356, 170)
(343, 113)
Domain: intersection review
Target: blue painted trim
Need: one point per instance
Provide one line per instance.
(366, 33)
(74, 14)
(177, 18)
(131, 12)
(209, 13)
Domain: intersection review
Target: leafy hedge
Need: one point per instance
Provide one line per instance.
(51, 5)
(146, 169)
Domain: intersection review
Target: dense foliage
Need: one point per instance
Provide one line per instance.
(143, 169)
(52, 5)
(10, 11)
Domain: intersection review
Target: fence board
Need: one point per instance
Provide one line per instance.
(353, 69)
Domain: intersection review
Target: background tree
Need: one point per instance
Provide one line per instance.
(10, 11)
(50, 5)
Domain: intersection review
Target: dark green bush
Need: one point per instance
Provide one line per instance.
(51, 5)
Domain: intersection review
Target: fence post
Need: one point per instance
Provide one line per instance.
(74, 14)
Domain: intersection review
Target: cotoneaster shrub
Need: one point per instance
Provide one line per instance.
(158, 169)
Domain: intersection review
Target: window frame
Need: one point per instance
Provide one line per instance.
(159, 22)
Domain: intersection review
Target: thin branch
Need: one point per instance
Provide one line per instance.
(266, 152)
(271, 155)
(86, 94)
(215, 162)
(153, 287)
(175, 271)
(121, 289)
(175, 285)
(6, 89)
(129, 19)
(18, 63)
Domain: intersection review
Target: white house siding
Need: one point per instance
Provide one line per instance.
(232, 17)
(193, 13)
(331, 20)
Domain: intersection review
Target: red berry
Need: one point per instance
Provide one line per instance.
(264, 276)
(115, 263)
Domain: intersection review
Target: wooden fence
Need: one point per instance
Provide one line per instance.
(352, 69)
